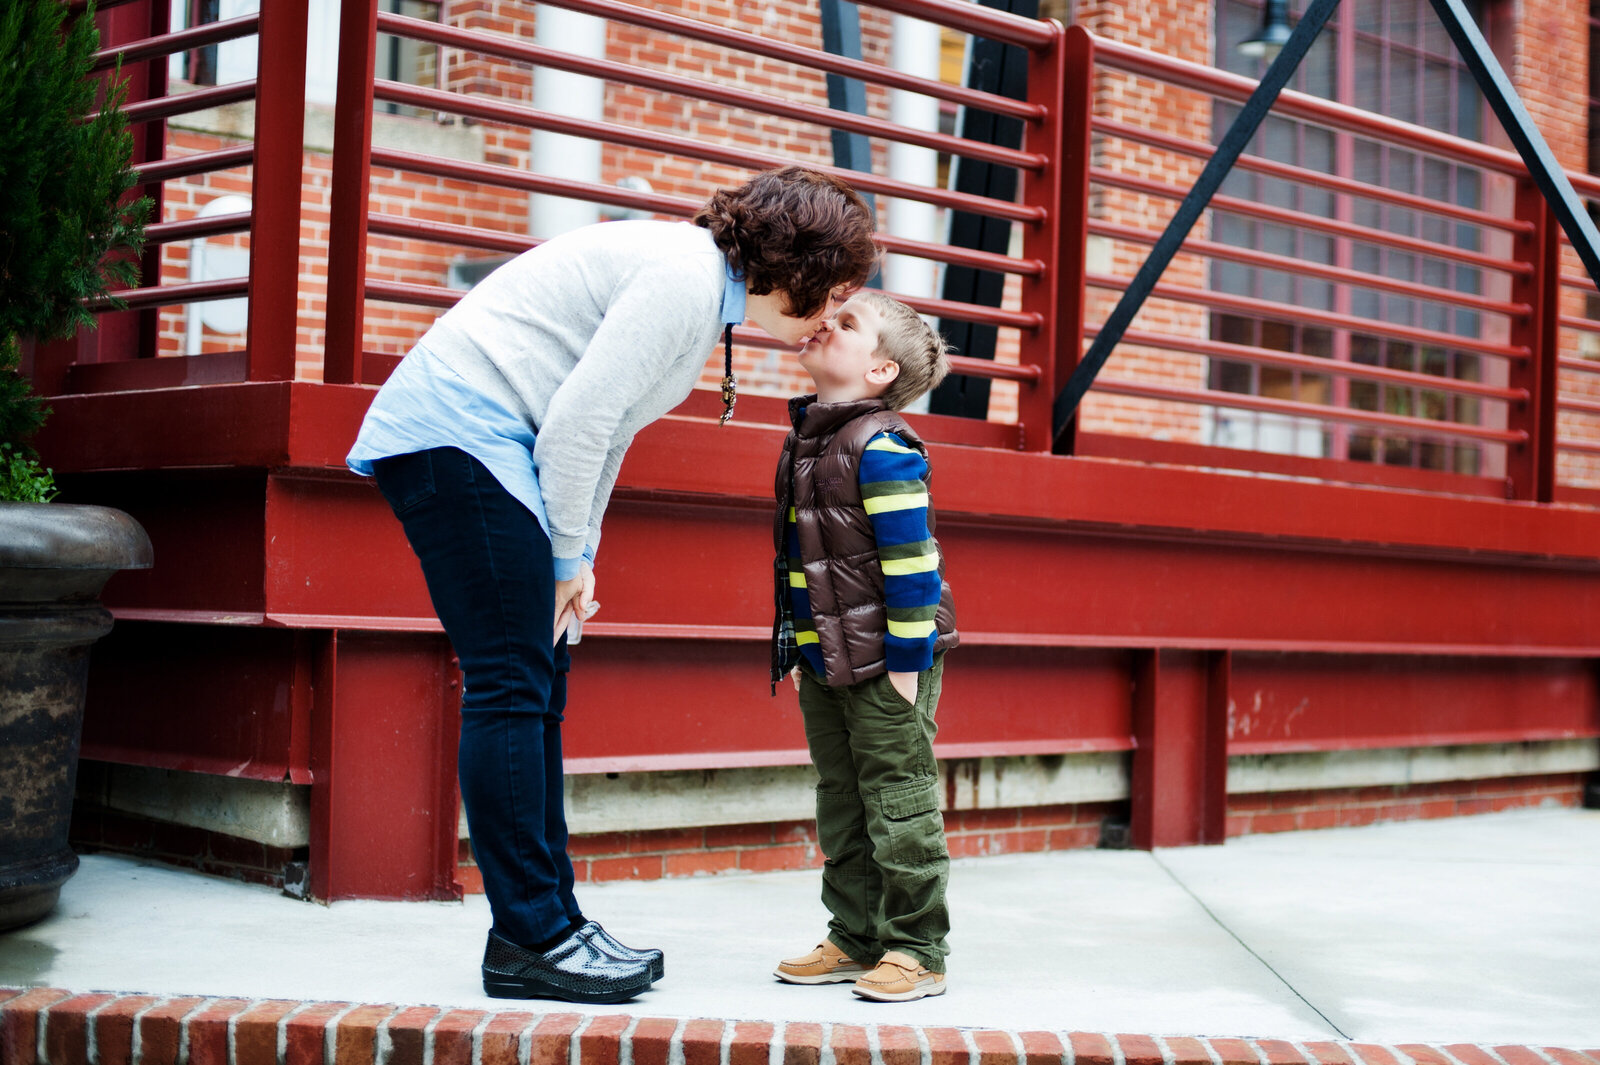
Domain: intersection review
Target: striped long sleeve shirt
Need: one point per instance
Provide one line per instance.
(895, 493)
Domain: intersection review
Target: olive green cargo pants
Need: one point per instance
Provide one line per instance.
(878, 819)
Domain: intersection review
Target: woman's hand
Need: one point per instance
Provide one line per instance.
(906, 685)
(574, 598)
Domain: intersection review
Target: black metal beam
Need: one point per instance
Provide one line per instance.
(1507, 107)
(841, 35)
(1001, 69)
(1189, 211)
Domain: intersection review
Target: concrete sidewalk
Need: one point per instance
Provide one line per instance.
(1478, 930)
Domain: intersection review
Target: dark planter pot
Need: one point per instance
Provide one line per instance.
(54, 560)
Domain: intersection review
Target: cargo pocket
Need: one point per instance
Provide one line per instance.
(916, 828)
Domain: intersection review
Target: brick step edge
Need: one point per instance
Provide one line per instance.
(51, 1026)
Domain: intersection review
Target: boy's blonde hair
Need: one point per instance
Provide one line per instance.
(911, 344)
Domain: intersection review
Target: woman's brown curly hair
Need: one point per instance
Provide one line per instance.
(795, 231)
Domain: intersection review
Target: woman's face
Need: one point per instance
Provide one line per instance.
(768, 312)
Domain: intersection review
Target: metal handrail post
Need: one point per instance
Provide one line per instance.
(1074, 165)
(1044, 240)
(352, 181)
(1531, 464)
(275, 226)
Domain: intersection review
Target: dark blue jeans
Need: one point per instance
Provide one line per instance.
(490, 575)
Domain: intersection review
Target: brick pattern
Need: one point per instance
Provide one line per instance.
(1020, 830)
(1183, 31)
(757, 848)
(1289, 811)
(50, 1026)
(763, 848)
(97, 830)
(1541, 68)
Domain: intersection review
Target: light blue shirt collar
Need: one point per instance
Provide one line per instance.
(732, 298)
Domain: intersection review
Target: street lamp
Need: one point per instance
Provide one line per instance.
(1273, 34)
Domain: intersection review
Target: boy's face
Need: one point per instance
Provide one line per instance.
(840, 355)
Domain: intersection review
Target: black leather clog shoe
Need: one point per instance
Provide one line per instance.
(609, 943)
(576, 970)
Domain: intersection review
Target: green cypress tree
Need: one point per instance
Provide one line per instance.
(66, 234)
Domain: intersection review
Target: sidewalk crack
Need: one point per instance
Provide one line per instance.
(1247, 947)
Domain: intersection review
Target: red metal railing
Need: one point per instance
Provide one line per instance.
(278, 98)
(1512, 344)
(1039, 211)
(1525, 410)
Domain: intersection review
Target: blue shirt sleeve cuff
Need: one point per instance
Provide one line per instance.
(907, 660)
(568, 568)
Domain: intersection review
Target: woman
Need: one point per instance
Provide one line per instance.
(497, 441)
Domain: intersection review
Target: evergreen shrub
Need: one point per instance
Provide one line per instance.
(69, 230)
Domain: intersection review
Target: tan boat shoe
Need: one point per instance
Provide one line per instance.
(900, 978)
(825, 965)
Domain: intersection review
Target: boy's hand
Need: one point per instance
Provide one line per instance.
(906, 685)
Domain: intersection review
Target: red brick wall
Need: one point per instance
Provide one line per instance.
(975, 833)
(756, 848)
(1289, 811)
(1182, 30)
(1545, 67)
(96, 830)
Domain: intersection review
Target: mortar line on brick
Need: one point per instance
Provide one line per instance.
(774, 1046)
(383, 1048)
(1016, 1045)
(41, 1019)
(1460, 1061)
(874, 1046)
(428, 1038)
(1261, 1055)
(477, 1038)
(1211, 1052)
(1239, 940)
(575, 1041)
(330, 1035)
(922, 1045)
(1492, 1052)
(1304, 1052)
(136, 1041)
(826, 1055)
(233, 1027)
(675, 1044)
(91, 1038)
(972, 1046)
(1069, 1056)
(1401, 1057)
(183, 1029)
(1167, 1055)
(725, 1048)
(283, 1029)
(525, 1039)
(1540, 1051)
(624, 1043)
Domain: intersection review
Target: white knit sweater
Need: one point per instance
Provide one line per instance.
(590, 336)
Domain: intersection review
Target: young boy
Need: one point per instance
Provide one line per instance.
(863, 620)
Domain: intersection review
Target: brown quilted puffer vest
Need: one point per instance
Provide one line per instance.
(837, 549)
